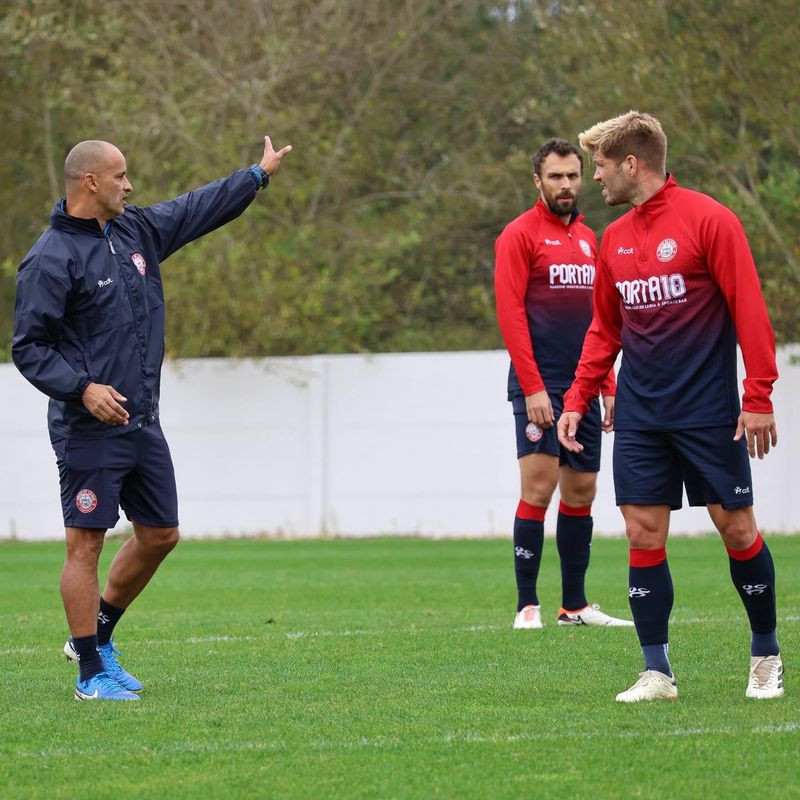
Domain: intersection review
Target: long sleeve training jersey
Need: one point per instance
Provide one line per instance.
(544, 273)
(675, 284)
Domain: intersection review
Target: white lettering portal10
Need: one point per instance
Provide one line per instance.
(658, 289)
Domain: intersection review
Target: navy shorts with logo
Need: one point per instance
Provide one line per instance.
(532, 439)
(651, 468)
(133, 470)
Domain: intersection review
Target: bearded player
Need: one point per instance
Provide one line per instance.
(544, 272)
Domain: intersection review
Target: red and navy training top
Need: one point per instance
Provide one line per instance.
(676, 284)
(544, 273)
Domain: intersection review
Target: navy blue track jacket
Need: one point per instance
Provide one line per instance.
(90, 302)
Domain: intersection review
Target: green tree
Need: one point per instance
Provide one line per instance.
(413, 123)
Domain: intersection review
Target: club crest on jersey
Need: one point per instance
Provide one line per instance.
(667, 250)
(139, 263)
(533, 432)
(585, 248)
(86, 501)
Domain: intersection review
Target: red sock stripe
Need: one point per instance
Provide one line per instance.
(527, 511)
(647, 558)
(751, 552)
(574, 511)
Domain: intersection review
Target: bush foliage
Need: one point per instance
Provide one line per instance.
(412, 123)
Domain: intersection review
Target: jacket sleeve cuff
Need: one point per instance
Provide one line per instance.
(84, 381)
(757, 406)
(260, 176)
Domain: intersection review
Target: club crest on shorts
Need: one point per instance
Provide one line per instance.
(86, 501)
(667, 250)
(533, 432)
(585, 248)
(139, 263)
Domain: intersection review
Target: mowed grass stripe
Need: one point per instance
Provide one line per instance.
(414, 631)
(385, 743)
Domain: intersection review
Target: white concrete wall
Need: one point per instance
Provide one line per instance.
(418, 443)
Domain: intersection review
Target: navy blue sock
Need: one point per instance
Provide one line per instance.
(528, 544)
(89, 661)
(107, 618)
(753, 575)
(656, 656)
(651, 599)
(574, 542)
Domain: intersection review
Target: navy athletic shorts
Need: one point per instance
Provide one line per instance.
(651, 468)
(133, 471)
(533, 439)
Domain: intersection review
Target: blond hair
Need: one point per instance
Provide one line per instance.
(633, 133)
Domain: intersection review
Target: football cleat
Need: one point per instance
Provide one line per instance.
(592, 615)
(102, 687)
(69, 651)
(652, 685)
(528, 618)
(108, 655)
(766, 677)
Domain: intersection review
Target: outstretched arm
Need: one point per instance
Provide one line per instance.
(175, 223)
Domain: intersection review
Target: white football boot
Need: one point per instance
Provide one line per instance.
(766, 677)
(652, 685)
(592, 615)
(529, 618)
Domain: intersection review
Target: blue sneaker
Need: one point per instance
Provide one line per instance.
(108, 655)
(102, 687)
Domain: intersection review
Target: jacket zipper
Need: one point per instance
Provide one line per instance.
(107, 234)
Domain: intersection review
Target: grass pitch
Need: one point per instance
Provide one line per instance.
(388, 669)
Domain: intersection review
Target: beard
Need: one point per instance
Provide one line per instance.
(560, 206)
(618, 198)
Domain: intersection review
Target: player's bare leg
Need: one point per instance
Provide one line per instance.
(79, 583)
(573, 540)
(130, 571)
(538, 478)
(651, 597)
(136, 562)
(753, 575)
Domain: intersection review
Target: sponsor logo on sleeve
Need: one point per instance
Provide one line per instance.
(86, 501)
(139, 263)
